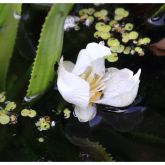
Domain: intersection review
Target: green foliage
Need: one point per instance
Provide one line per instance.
(9, 19)
(94, 149)
(49, 50)
(160, 10)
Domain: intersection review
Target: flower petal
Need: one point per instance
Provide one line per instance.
(73, 89)
(85, 114)
(121, 88)
(91, 56)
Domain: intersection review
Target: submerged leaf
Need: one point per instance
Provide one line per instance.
(160, 10)
(8, 30)
(123, 121)
(49, 50)
(95, 150)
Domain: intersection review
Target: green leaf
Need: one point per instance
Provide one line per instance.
(159, 11)
(9, 19)
(96, 151)
(148, 138)
(49, 50)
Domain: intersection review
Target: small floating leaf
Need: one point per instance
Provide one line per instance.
(118, 17)
(10, 106)
(133, 35)
(101, 15)
(139, 50)
(100, 26)
(32, 113)
(105, 35)
(2, 97)
(104, 12)
(90, 11)
(42, 124)
(112, 42)
(125, 37)
(4, 119)
(127, 50)
(128, 26)
(24, 112)
(144, 41)
(83, 12)
(67, 113)
(113, 22)
(121, 12)
(97, 34)
(113, 57)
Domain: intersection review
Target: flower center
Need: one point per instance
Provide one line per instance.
(96, 82)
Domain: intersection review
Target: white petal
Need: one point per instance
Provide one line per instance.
(73, 89)
(92, 55)
(68, 65)
(85, 114)
(121, 88)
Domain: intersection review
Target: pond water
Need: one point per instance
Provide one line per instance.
(135, 135)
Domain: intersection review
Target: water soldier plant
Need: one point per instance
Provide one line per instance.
(78, 82)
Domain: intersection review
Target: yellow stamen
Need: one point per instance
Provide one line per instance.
(96, 82)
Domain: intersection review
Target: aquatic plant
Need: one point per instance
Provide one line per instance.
(109, 29)
(85, 84)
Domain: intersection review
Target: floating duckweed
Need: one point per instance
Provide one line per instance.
(104, 12)
(97, 34)
(125, 37)
(113, 22)
(100, 26)
(118, 17)
(10, 106)
(42, 124)
(127, 50)
(133, 35)
(128, 26)
(41, 139)
(24, 112)
(120, 48)
(113, 57)
(32, 113)
(112, 42)
(105, 35)
(121, 13)
(67, 113)
(83, 12)
(102, 35)
(4, 119)
(90, 11)
(144, 41)
(83, 17)
(139, 50)
(101, 15)
(91, 18)
(106, 28)
(2, 97)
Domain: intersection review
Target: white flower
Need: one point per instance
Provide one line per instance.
(88, 82)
